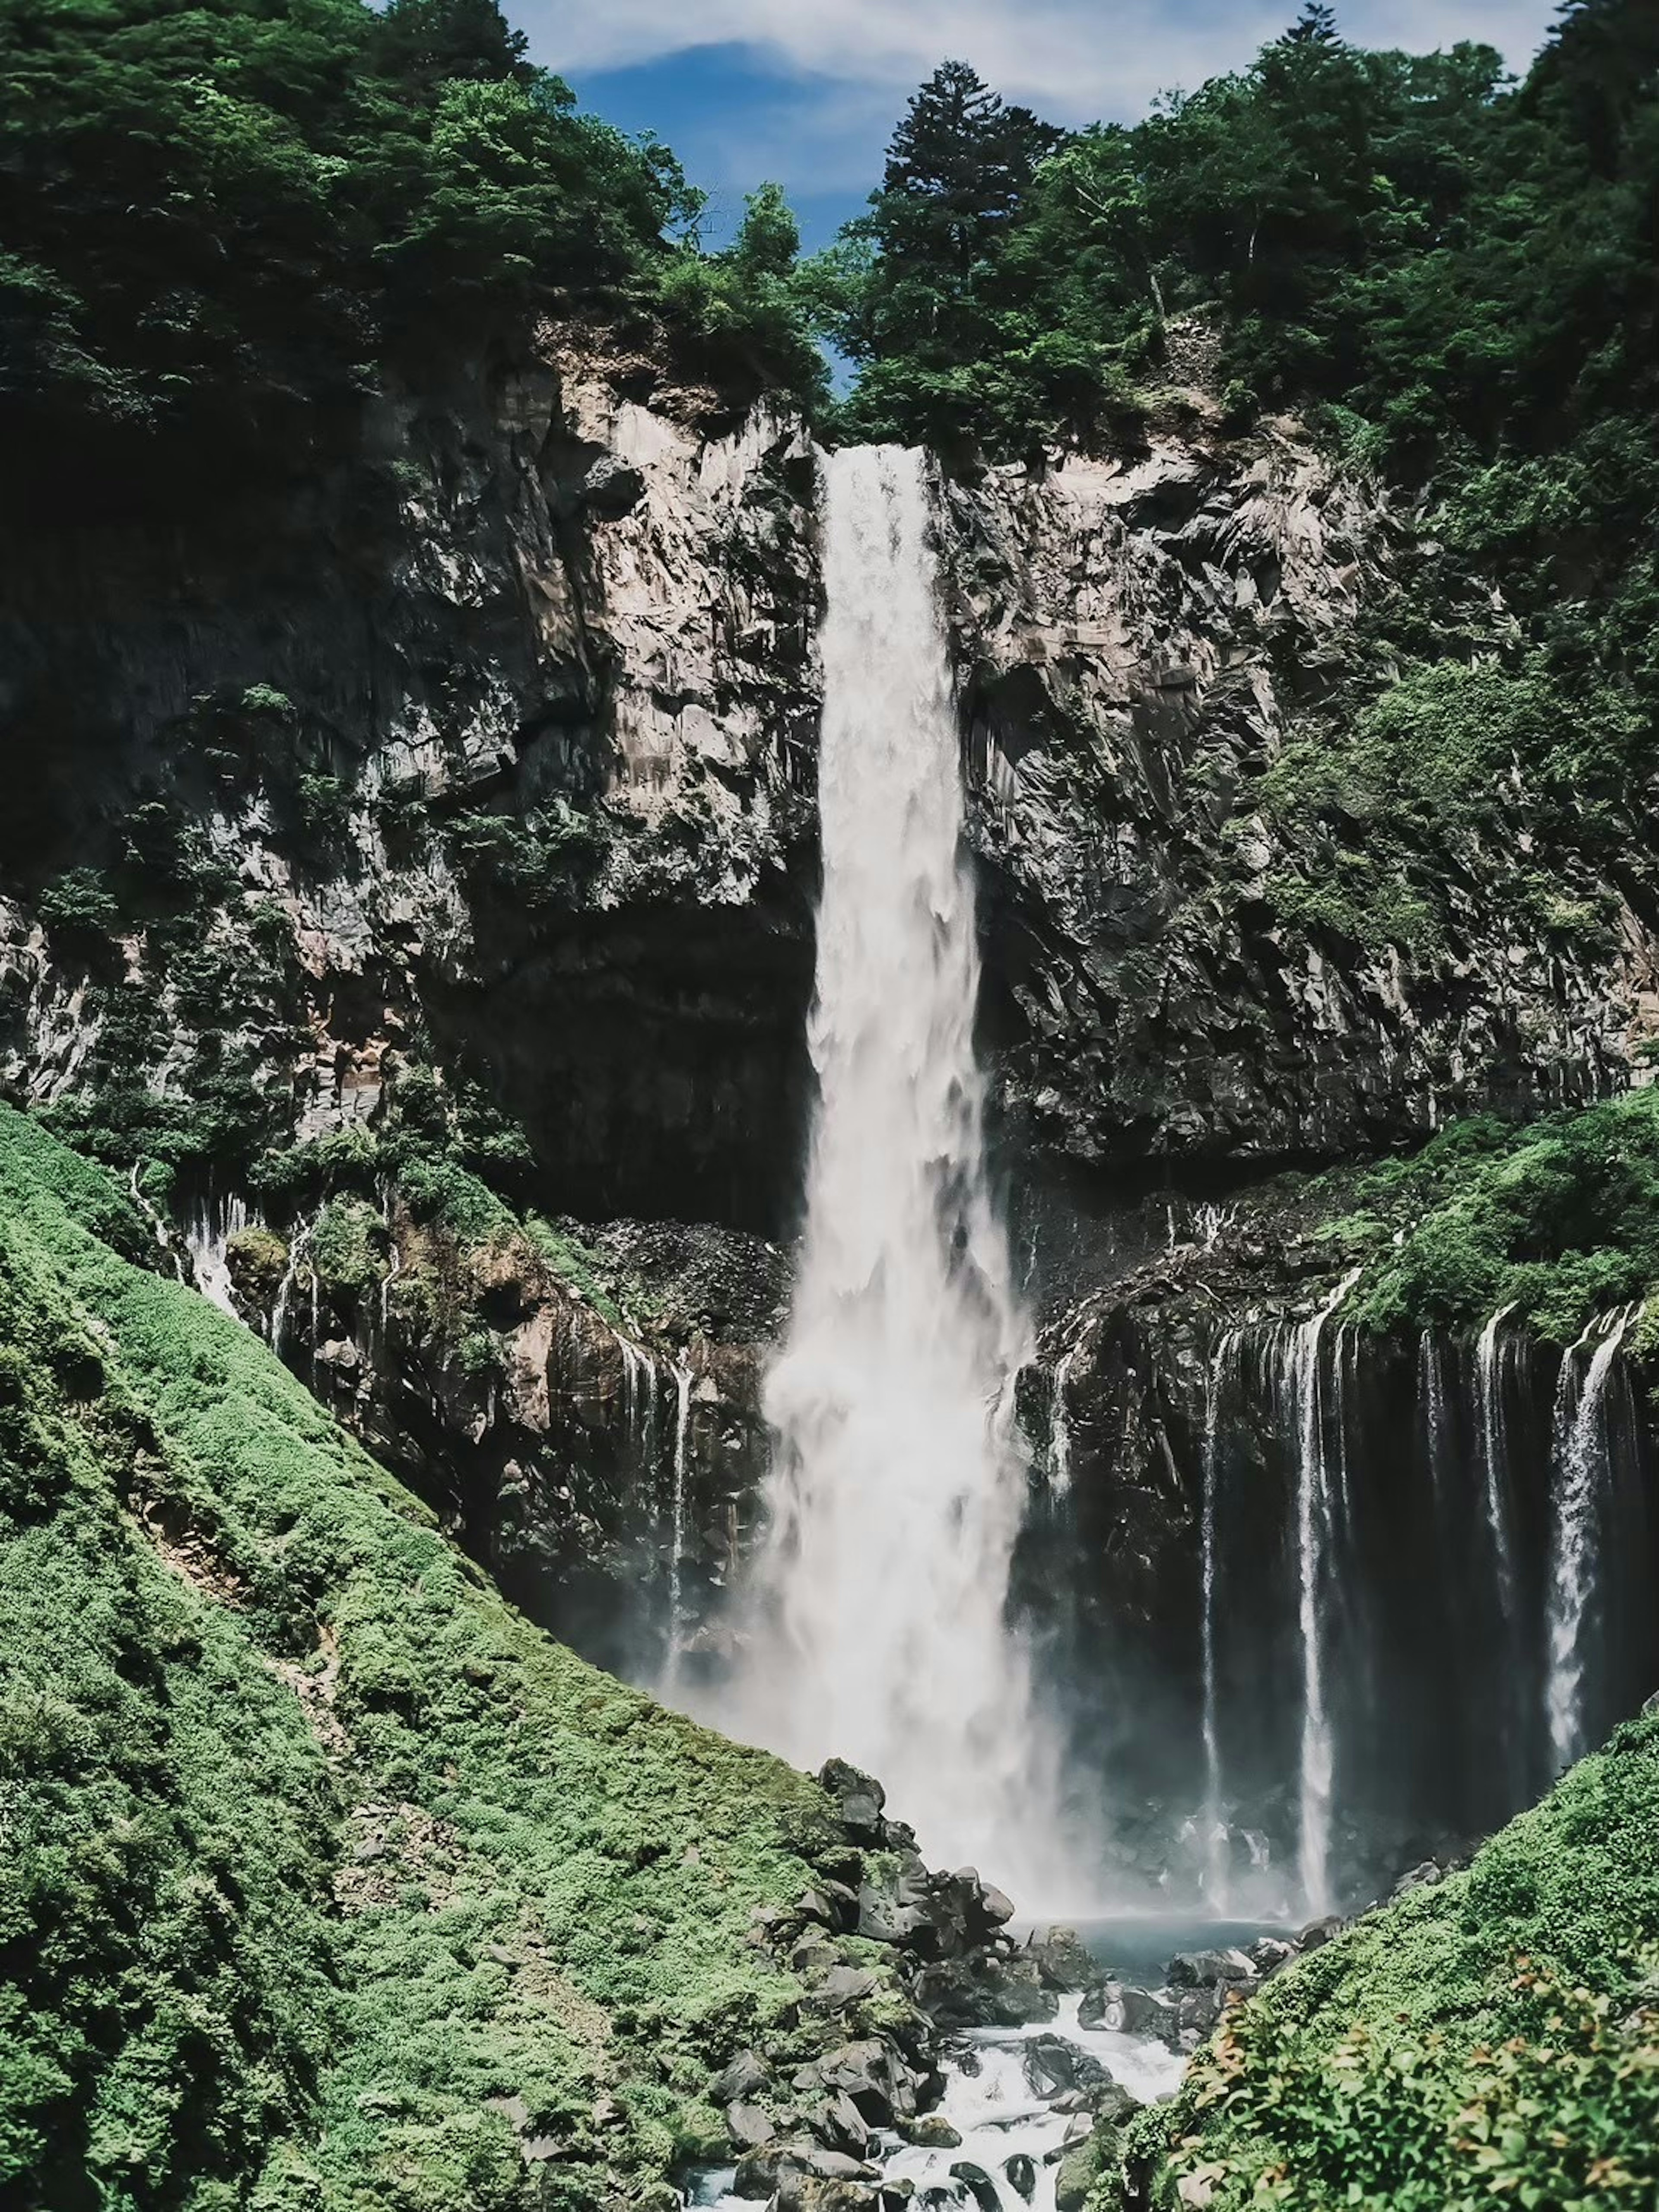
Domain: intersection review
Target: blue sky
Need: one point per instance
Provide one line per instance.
(807, 91)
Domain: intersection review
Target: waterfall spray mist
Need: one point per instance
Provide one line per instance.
(873, 1622)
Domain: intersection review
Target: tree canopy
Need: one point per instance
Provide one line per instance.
(223, 220)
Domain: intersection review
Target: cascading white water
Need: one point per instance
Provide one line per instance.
(874, 1627)
(207, 1231)
(1494, 1461)
(1580, 1461)
(1304, 1391)
(682, 1380)
(1060, 1426)
(1215, 1826)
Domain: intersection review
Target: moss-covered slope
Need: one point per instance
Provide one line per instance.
(327, 1880)
(1492, 2040)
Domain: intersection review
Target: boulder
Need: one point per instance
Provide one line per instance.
(1062, 1960)
(886, 1917)
(873, 2075)
(747, 2126)
(858, 1798)
(930, 2132)
(1128, 2012)
(978, 2183)
(1053, 2066)
(1206, 1970)
(1079, 2169)
(743, 2079)
(1320, 1932)
(842, 1987)
(1021, 2175)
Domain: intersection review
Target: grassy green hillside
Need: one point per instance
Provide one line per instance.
(327, 1882)
(1493, 2040)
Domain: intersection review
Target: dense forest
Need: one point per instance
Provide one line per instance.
(413, 685)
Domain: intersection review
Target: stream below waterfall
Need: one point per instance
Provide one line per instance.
(1011, 2125)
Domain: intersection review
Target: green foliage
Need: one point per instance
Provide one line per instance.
(1452, 776)
(220, 221)
(547, 859)
(1454, 265)
(1492, 2039)
(1560, 1220)
(318, 1854)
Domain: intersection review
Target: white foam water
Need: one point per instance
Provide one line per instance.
(872, 1621)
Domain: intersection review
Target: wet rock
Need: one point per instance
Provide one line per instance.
(876, 2078)
(1062, 1960)
(1128, 2011)
(859, 1799)
(1053, 2066)
(1021, 2175)
(743, 2079)
(756, 2175)
(1206, 1970)
(1112, 2105)
(1320, 1932)
(747, 2126)
(978, 2183)
(1079, 2169)
(1197, 2012)
(930, 2132)
(844, 2128)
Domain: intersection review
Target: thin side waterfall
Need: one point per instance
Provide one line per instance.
(1302, 1382)
(1215, 1827)
(212, 1223)
(1579, 1470)
(873, 1613)
(1495, 1461)
(682, 1380)
(1059, 1427)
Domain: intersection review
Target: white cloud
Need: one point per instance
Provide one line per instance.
(1078, 59)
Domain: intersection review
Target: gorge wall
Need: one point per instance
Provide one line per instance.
(413, 898)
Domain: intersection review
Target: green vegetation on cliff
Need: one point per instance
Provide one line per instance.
(1557, 1220)
(328, 1881)
(225, 223)
(1493, 2039)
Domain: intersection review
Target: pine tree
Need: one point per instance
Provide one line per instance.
(958, 162)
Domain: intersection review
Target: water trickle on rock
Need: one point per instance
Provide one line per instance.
(1216, 1837)
(1300, 1389)
(872, 1621)
(1580, 1468)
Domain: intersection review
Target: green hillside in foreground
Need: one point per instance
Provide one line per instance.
(326, 1880)
(1492, 2040)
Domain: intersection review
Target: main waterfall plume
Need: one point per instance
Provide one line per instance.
(873, 1617)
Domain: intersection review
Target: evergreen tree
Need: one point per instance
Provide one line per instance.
(430, 41)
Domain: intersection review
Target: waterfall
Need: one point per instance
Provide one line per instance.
(1494, 1462)
(1060, 1426)
(874, 1623)
(1215, 1826)
(1302, 1388)
(683, 1379)
(207, 1231)
(1579, 1464)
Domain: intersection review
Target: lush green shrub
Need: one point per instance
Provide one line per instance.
(1493, 2039)
(317, 1853)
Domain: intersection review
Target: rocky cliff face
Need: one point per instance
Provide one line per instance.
(1137, 638)
(461, 811)
(497, 750)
